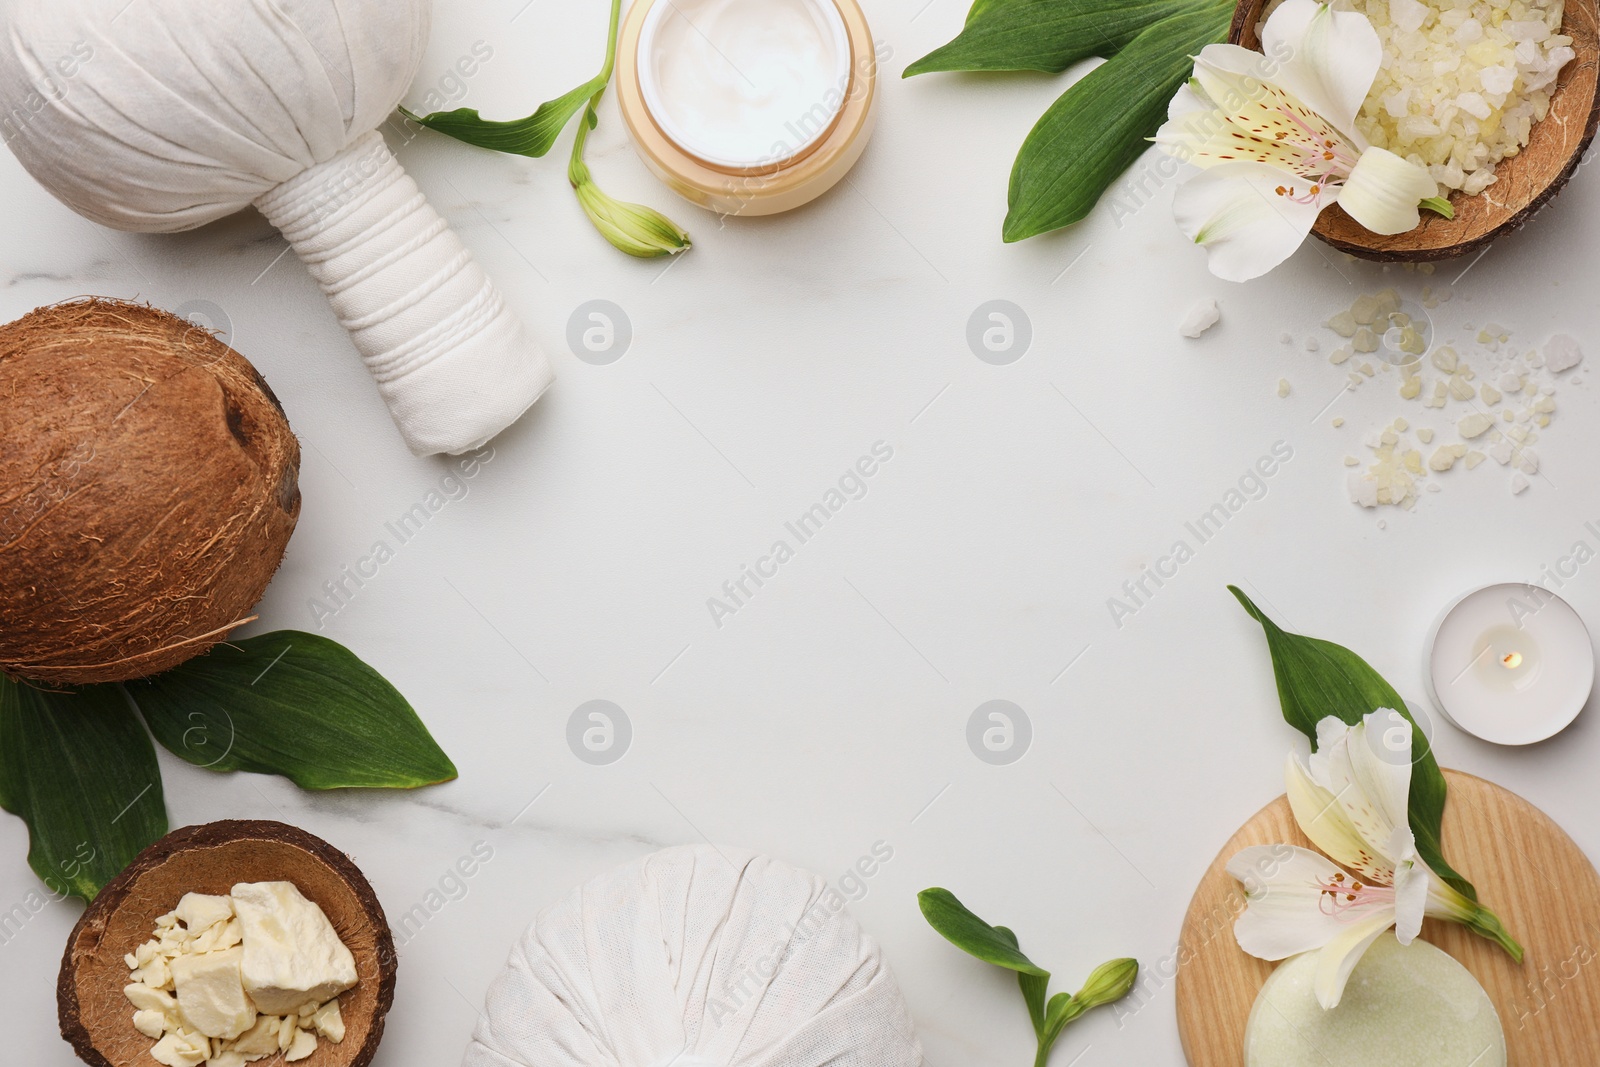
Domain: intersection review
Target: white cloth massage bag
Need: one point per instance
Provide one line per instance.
(696, 957)
(163, 115)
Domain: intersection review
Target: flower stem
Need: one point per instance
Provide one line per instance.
(1486, 923)
(632, 228)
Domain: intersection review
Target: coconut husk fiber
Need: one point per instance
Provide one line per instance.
(148, 489)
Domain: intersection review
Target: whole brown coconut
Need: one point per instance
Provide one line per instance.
(148, 488)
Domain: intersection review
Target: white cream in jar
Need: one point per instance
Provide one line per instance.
(744, 83)
(747, 107)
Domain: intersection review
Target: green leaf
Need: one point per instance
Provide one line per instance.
(1063, 1009)
(1034, 987)
(1317, 678)
(1098, 127)
(1438, 205)
(1047, 35)
(82, 773)
(536, 134)
(294, 704)
(530, 136)
(964, 930)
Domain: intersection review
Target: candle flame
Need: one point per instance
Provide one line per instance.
(1512, 660)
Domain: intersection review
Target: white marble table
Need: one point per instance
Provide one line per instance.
(829, 712)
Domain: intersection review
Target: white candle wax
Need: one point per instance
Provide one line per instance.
(1510, 663)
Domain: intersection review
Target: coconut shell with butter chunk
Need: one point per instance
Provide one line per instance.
(97, 1019)
(148, 488)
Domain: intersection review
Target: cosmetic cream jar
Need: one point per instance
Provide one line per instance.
(747, 107)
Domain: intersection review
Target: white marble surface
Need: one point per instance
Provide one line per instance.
(829, 712)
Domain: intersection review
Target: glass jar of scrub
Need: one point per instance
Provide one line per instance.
(747, 107)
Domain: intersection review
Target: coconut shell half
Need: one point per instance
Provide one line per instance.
(96, 1018)
(148, 488)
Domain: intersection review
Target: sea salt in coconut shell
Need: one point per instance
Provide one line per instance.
(1404, 1006)
(1523, 183)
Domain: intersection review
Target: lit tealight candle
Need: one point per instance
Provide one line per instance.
(1510, 663)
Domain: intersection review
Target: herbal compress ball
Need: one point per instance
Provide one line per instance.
(163, 115)
(148, 488)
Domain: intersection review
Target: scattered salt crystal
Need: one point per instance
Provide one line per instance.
(1518, 484)
(1283, 387)
(1443, 458)
(1312, 344)
(1528, 460)
(1425, 435)
(1561, 353)
(1473, 425)
(1201, 317)
(1338, 422)
(1500, 452)
(1474, 458)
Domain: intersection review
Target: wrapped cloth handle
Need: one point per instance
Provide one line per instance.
(452, 362)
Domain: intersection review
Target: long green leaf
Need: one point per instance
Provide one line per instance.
(82, 773)
(294, 704)
(530, 136)
(1099, 126)
(1317, 678)
(536, 134)
(964, 930)
(1047, 35)
(1035, 987)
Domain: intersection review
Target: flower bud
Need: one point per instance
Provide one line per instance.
(635, 229)
(1110, 982)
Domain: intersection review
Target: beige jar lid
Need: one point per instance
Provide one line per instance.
(818, 146)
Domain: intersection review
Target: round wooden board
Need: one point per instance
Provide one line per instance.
(1526, 869)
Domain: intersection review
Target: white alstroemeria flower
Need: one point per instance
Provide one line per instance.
(1351, 802)
(1275, 133)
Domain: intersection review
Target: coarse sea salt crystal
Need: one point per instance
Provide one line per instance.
(1461, 82)
(1200, 318)
(1561, 353)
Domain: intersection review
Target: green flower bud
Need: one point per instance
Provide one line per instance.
(1110, 982)
(634, 228)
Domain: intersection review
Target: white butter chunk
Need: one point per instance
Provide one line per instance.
(151, 1024)
(304, 1044)
(211, 995)
(144, 998)
(200, 911)
(292, 954)
(328, 1021)
(181, 1050)
(1404, 1006)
